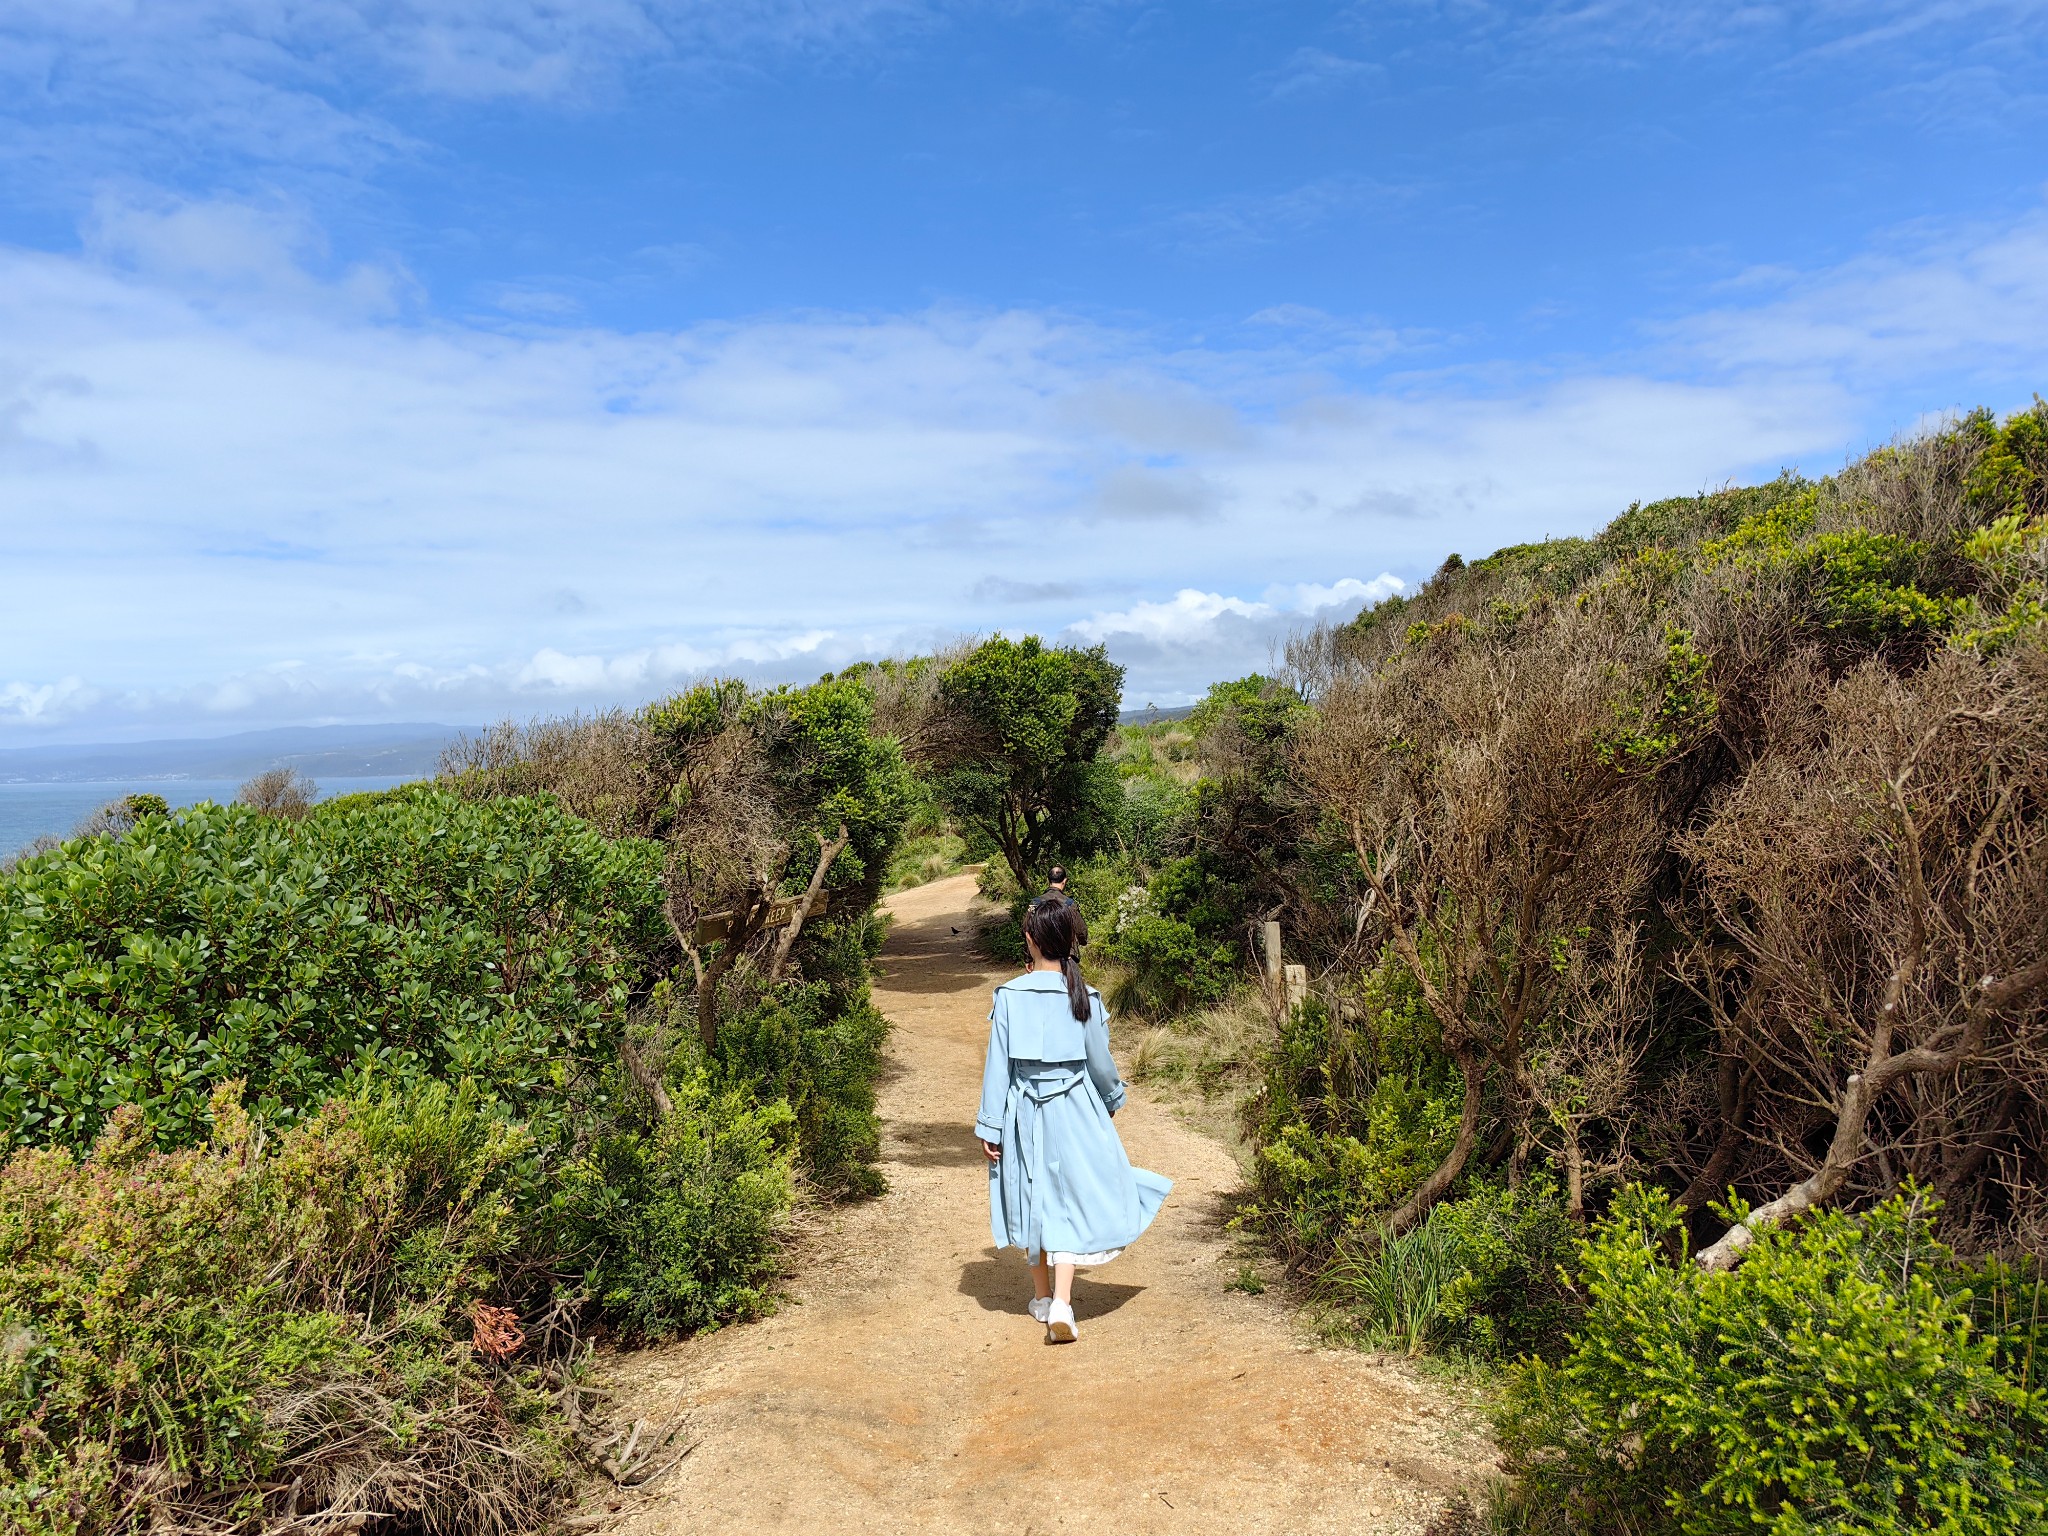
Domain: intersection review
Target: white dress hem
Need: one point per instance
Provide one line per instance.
(1082, 1260)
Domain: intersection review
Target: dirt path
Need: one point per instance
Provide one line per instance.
(905, 1390)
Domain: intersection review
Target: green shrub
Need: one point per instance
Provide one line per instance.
(672, 1228)
(1849, 1378)
(923, 857)
(1478, 1275)
(1348, 1118)
(1166, 967)
(194, 1339)
(822, 1061)
(418, 936)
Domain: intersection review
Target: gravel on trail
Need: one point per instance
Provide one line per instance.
(903, 1388)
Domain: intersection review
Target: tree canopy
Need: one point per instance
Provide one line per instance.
(1022, 770)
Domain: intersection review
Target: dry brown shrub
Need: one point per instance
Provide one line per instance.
(1477, 777)
(284, 793)
(598, 766)
(1882, 873)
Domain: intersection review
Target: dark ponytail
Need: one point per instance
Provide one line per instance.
(1049, 921)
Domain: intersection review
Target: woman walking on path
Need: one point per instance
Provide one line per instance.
(1059, 1184)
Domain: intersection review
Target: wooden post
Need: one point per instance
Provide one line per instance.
(1276, 994)
(1297, 986)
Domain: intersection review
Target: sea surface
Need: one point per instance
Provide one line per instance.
(29, 811)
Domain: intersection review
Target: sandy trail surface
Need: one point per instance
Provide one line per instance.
(904, 1389)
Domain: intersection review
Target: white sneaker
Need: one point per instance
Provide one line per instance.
(1040, 1306)
(1059, 1323)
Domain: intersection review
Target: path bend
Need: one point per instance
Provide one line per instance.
(904, 1390)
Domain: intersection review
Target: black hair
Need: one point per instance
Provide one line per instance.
(1059, 875)
(1049, 923)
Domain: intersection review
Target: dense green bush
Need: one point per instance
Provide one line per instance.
(1164, 966)
(229, 1334)
(670, 1225)
(820, 1056)
(1479, 1275)
(1347, 1117)
(1021, 770)
(1850, 1378)
(421, 935)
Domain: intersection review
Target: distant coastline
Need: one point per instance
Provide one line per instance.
(54, 808)
(395, 752)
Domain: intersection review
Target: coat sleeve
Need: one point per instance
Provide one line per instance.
(995, 1074)
(1101, 1065)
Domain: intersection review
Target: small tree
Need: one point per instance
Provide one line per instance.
(1023, 770)
(788, 793)
(284, 793)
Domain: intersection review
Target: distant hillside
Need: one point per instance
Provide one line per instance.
(324, 751)
(1150, 715)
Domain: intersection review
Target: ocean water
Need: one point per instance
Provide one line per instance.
(30, 811)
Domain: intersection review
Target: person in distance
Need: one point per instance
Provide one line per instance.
(1057, 886)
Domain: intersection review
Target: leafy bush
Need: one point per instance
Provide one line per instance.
(1166, 967)
(1850, 1378)
(794, 1045)
(1022, 771)
(421, 936)
(1347, 1117)
(1478, 1275)
(227, 1335)
(672, 1226)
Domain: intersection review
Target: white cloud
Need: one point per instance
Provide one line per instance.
(218, 456)
(1190, 613)
(1349, 593)
(39, 703)
(1318, 72)
(1974, 301)
(1183, 616)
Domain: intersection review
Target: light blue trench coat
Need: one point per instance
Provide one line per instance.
(1063, 1184)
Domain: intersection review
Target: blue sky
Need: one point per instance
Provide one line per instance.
(443, 359)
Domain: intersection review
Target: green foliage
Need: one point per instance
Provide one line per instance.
(672, 1227)
(184, 1334)
(820, 1056)
(1166, 967)
(831, 769)
(1257, 707)
(1151, 819)
(1025, 776)
(421, 936)
(1478, 1275)
(1673, 718)
(930, 849)
(1850, 1378)
(688, 721)
(2011, 472)
(2011, 555)
(1860, 580)
(1348, 1119)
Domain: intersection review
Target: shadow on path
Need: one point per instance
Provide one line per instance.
(1001, 1283)
(927, 957)
(934, 1144)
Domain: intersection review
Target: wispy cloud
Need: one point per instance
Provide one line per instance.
(1246, 221)
(203, 390)
(125, 87)
(1973, 302)
(1318, 72)
(1987, 49)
